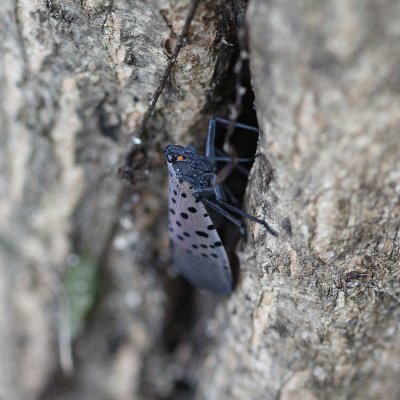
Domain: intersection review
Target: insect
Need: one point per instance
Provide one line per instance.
(195, 192)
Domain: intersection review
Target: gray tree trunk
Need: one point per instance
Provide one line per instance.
(88, 307)
(317, 313)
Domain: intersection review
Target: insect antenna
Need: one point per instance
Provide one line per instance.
(223, 157)
(229, 194)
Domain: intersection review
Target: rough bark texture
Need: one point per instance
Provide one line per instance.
(76, 78)
(315, 312)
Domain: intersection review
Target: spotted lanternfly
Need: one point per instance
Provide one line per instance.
(194, 192)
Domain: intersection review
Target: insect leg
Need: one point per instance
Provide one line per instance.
(230, 195)
(206, 192)
(215, 191)
(219, 194)
(210, 142)
(248, 216)
(222, 156)
(233, 160)
(236, 124)
(220, 198)
(225, 214)
(226, 158)
(223, 173)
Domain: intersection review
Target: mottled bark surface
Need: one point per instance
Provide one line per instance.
(84, 255)
(317, 313)
(76, 78)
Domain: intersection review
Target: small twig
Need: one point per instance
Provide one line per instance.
(181, 41)
(127, 171)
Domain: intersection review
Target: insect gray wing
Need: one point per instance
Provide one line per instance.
(197, 250)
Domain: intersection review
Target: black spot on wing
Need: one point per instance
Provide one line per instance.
(202, 234)
(194, 251)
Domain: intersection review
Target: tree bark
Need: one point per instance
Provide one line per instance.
(316, 315)
(76, 80)
(89, 304)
